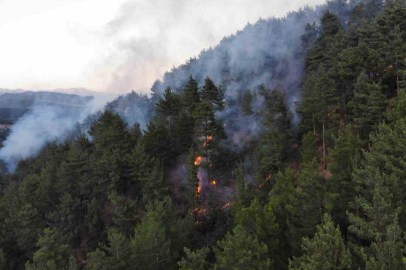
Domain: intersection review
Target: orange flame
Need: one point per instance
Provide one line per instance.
(213, 183)
(226, 205)
(198, 161)
(266, 179)
(328, 114)
(199, 189)
(198, 211)
(210, 138)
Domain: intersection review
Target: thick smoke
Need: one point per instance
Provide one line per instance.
(148, 37)
(42, 124)
(267, 54)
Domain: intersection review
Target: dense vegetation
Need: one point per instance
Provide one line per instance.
(194, 190)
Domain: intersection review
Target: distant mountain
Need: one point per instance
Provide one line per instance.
(30, 99)
(80, 91)
(14, 105)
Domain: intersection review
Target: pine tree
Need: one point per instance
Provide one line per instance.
(53, 254)
(110, 132)
(150, 246)
(208, 133)
(191, 96)
(388, 252)
(154, 187)
(309, 147)
(192, 179)
(118, 250)
(241, 251)
(157, 141)
(369, 105)
(345, 157)
(287, 201)
(246, 106)
(314, 191)
(261, 221)
(196, 260)
(244, 196)
(124, 213)
(169, 108)
(138, 166)
(213, 95)
(326, 250)
(67, 218)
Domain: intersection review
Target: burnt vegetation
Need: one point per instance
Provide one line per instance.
(294, 162)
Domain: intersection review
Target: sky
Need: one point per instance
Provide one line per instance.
(113, 45)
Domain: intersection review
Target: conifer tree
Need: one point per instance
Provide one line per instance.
(191, 95)
(118, 250)
(67, 218)
(326, 250)
(154, 187)
(241, 251)
(261, 221)
(196, 260)
(246, 106)
(169, 108)
(369, 105)
(150, 246)
(309, 147)
(244, 196)
(53, 252)
(388, 251)
(213, 95)
(192, 179)
(287, 201)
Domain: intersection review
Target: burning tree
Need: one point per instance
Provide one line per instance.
(208, 132)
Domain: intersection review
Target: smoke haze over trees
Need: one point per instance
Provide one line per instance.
(281, 148)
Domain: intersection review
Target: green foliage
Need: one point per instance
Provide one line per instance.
(261, 221)
(196, 260)
(53, 251)
(154, 187)
(121, 198)
(246, 106)
(119, 251)
(151, 248)
(241, 251)
(326, 250)
(309, 147)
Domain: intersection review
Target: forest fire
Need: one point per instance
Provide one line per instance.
(199, 189)
(266, 179)
(198, 161)
(198, 211)
(213, 183)
(226, 205)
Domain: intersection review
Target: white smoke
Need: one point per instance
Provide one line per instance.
(41, 125)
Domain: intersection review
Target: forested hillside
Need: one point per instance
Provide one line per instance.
(272, 158)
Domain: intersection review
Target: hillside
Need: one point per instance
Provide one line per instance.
(284, 147)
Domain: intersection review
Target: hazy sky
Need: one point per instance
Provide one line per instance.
(113, 45)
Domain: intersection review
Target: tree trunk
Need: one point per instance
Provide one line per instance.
(314, 126)
(324, 148)
(397, 76)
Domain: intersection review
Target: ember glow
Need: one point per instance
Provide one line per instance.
(198, 161)
(266, 179)
(226, 205)
(213, 183)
